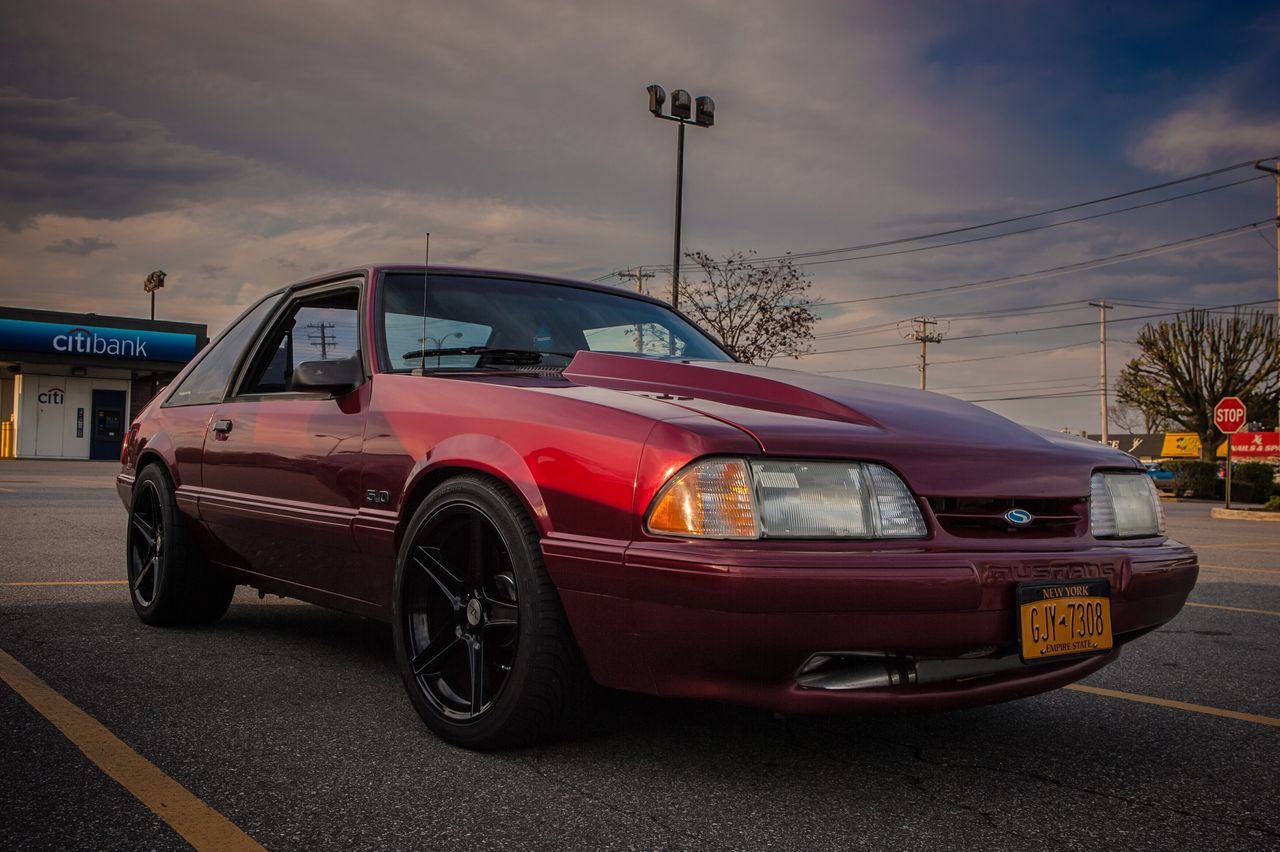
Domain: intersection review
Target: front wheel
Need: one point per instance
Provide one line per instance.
(170, 582)
(481, 639)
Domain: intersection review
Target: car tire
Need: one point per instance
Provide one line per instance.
(481, 638)
(170, 582)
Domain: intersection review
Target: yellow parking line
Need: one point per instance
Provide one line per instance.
(1178, 705)
(69, 583)
(1246, 570)
(197, 823)
(1234, 608)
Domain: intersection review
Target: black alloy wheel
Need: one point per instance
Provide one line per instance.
(462, 613)
(145, 544)
(481, 638)
(170, 581)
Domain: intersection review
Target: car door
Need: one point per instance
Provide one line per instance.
(281, 464)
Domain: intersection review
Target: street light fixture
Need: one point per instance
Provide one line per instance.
(702, 111)
(153, 282)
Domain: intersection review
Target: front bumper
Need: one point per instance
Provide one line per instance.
(712, 620)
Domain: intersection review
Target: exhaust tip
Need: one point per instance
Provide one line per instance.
(875, 670)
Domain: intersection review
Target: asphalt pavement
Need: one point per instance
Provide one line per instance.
(290, 721)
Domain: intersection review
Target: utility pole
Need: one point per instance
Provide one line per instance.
(320, 338)
(1102, 307)
(925, 336)
(640, 276)
(1276, 173)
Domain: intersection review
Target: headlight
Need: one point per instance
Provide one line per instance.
(1124, 504)
(736, 498)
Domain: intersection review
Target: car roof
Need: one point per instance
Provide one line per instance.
(374, 269)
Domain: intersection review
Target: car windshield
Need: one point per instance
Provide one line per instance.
(475, 322)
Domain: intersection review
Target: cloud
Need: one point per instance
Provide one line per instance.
(1206, 133)
(80, 248)
(68, 158)
(292, 137)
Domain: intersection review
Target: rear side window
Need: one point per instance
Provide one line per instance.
(207, 381)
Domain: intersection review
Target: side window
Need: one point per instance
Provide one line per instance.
(324, 328)
(207, 381)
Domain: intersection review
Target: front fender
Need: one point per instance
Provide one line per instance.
(484, 454)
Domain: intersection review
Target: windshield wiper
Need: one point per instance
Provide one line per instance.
(527, 356)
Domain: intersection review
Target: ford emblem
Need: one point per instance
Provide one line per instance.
(1018, 517)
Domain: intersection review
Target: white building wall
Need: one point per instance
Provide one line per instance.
(47, 422)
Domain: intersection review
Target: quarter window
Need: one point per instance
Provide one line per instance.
(207, 381)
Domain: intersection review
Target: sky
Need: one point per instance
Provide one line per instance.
(240, 146)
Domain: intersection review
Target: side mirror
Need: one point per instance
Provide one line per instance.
(337, 376)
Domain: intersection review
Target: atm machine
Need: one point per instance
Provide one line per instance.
(108, 424)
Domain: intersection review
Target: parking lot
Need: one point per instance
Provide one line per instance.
(289, 724)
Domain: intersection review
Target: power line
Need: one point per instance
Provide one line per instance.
(1036, 330)
(1040, 381)
(1070, 395)
(1012, 219)
(1050, 272)
(1032, 229)
(880, 328)
(966, 360)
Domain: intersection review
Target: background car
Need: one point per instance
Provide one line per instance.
(545, 485)
(1160, 475)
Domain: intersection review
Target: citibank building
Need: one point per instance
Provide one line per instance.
(70, 383)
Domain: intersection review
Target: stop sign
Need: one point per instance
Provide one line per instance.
(1228, 414)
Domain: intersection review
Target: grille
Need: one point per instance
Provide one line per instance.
(968, 517)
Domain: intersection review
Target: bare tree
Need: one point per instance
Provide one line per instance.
(1127, 417)
(759, 310)
(1191, 362)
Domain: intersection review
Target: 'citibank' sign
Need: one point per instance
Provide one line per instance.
(95, 341)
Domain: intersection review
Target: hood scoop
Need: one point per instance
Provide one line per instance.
(726, 382)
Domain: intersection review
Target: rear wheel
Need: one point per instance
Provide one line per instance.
(481, 639)
(170, 583)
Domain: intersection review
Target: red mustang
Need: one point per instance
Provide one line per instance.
(543, 483)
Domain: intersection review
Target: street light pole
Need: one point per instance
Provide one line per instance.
(675, 254)
(703, 112)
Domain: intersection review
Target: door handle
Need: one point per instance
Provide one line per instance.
(223, 426)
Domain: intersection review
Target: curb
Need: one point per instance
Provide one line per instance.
(1244, 514)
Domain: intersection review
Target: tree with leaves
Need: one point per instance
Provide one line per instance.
(1194, 360)
(760, 310)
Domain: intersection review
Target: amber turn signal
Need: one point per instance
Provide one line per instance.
(711, 499)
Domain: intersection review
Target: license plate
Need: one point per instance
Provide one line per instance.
(1064, 619)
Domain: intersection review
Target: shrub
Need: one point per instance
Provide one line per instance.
(1261, 476)
(1242, 491)
(1194, 478)
(1273, 505)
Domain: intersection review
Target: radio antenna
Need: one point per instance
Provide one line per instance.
(422, 354)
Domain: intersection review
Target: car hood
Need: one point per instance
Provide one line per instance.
(944, 447)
